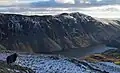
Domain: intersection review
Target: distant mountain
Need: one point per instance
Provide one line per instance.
(104, 2)
(56, 33)
(48, 3)
(78, 3)
(44, 3)
(109, 2)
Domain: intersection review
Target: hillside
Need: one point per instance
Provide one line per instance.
(56, 33)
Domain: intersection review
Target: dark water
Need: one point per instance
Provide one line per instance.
(79, 52)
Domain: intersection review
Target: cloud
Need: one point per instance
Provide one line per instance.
(13, 2)
(7, 2)
(66, 1)
(16, 2)
(99, 0)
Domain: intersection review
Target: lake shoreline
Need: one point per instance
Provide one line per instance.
(81, 52)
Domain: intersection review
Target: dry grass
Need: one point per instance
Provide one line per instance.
(102, 58)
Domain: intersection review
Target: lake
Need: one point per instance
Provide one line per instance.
(80, 52)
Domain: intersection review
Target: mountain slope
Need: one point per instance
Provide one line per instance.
(55, 33)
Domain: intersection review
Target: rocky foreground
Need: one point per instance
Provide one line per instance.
(60, 64)
(56, 33)
(4, 68)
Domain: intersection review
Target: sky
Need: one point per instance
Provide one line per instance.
(111, 11)
(12, 2)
